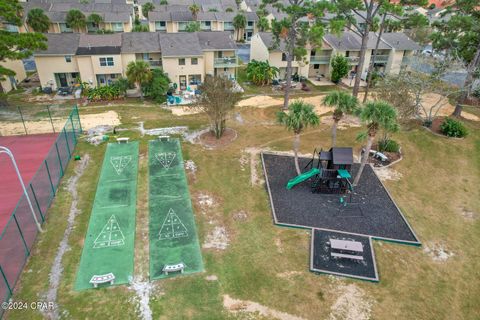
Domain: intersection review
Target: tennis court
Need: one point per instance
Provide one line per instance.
(109, 243)
(173, 235)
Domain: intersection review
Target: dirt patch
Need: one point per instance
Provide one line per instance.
(143, 291)
(255, 179)
(211, 278)
(430, 99)
(241, 215)
(217, 239)
(348, 121)
(351, 304)
(469, 215)
(57, 269)
(183, 110)
(260, 102)
(191, 169)
(387, 174)
(88, 121)
(205, 201)
(438, 252)
(278, 244)
(288, 274)
(243, 306)
(209, 141)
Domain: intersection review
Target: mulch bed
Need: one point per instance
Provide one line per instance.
(371, 211)
(322, 261)
(436, 123)
(209, 140)
(392, 157)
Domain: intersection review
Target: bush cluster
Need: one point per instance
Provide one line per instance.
(388, 145)
(453, 128)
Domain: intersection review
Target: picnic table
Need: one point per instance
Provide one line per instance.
(346, 245)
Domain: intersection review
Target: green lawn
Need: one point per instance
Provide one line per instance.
(440, 179)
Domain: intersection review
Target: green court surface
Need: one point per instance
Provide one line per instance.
(173, 236)
(109, 243)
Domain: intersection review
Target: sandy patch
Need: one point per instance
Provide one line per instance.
(205, 201)
(351, 304)
(260, 102)
(241, 215)
(469, 215)
(183, 110)
(348, 121)
(387, 173)
(143, 291)
(243, 306)
(88, 121)
(288, 274)
(211, 278)
(438, 252)
(430, 99)
(255, 179)
(217, 239)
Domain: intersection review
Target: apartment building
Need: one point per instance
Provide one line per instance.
(393, 47)
(101, 59)
(10, 83)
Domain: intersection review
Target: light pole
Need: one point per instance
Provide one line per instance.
(10, 154)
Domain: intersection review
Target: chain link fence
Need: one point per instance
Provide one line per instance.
(18, 236)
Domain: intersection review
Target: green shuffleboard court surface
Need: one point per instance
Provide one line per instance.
(173, 236)
(109, 243)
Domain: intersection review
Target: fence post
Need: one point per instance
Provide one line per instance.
(78, 117)
(23, 121)
(21, 235)
(66, 141)
(36, 201)
(50, 178)
(59, 160)
(50, 116)
(6, 281)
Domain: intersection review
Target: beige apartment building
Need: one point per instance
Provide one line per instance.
(393, 47)
(101, 59)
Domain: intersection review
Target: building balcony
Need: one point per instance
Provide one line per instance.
(319, 59)
(382, 58)
(154, 63)
(226, 62)
(353, 60)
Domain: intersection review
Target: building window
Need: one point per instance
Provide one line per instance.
(68, 59)
(228, 26)
(65, 28)
(106, 62)
(182, 26)
(316, 66)
(11, 28)
(194, 79)
(181, 61)
(249, 25)
(206, 25)
(284, 57)
(160, 25)
(312, 53)
(194, 61)
(117, 26)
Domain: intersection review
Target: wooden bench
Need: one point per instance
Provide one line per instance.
(104, 278)
(173, 268)
(346, 256)
(122, 140)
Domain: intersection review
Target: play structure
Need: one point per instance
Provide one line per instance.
(328, 170)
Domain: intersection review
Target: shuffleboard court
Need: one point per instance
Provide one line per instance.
(109, 243)
(173, 236)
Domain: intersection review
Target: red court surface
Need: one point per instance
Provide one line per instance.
(29, 152)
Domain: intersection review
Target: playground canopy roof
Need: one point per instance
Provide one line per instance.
(343, 155)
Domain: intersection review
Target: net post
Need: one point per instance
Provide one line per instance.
(36, 201)
(59, 160)
(49, 177)
(50, 116)
(27, 252)
(23, 121)
(6, 281)
(66, 141)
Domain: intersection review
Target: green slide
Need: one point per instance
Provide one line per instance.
(304, 176)
(109, 243)
(173, 236)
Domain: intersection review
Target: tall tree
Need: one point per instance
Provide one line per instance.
(95, 19)
(375, 115)
(217, 100)
(460, 36)
(194, 10)
(263, 24)
(15, 46)
(38, 20)
(343, 103)
(300, 115)
(261, 72)
(147, 7)
(139, 73)
(239, 23)
(295, 33)
(76, 19)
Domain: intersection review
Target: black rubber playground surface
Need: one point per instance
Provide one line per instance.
(322, 261)
(372, 212)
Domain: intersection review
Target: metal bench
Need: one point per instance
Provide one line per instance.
(346, 256)
(173, 268)
(121, 140)
(104, 278)
(164, 138)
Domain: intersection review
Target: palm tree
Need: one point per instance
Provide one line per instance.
(263, 24)
(239, 23)
(300, 115)
(146, 8)
(194, 9)
(76, 19)
(138, 72)
(343, 103)
(95, 19)
(375, 115)
(261, 72)
(38, 20)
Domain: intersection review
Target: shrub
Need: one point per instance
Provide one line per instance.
(340, 68)
(388, 145)
(453, 128)
(476, 93)
(158, 86)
